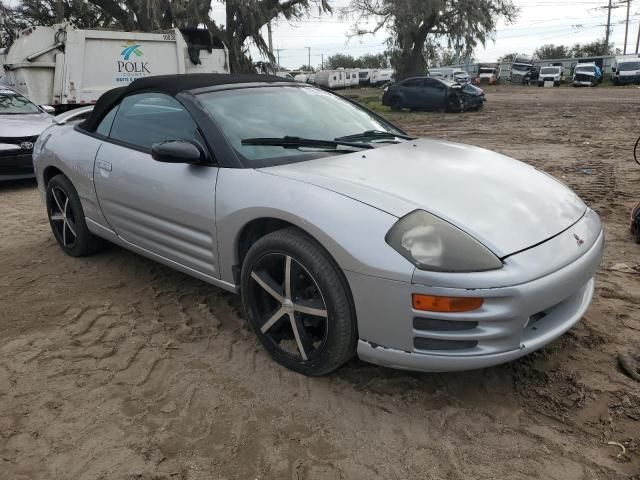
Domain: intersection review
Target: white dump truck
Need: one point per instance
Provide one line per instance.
(66, 67)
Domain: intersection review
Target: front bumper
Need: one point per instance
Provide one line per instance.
(514, 320)
(16, 165)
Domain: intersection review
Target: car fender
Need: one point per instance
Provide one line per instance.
(73, 153)
(352, 232)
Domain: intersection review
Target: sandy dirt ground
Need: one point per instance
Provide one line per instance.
(116, 367)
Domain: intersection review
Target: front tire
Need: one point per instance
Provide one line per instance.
(396, 104)
(66, 218)
(298, 303)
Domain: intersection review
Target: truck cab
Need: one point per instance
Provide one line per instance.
(587, 75)
(626, 71)
(550, 74)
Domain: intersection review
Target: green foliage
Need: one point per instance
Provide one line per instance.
(596, 48)
(550, 51)
(369, 60)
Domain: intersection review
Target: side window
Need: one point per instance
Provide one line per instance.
(413, 83)
(147, 118)
(105, 125)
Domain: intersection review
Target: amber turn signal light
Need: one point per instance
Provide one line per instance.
(431, 303)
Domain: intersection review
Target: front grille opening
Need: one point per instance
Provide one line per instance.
(437, 344)
(433, 325)
(535, 318)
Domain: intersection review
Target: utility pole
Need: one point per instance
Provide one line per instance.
(59, 11)
(626, 28)
(309, 51)
(638, 40)
(278, 54)
(270, 38)
(322, 61)
(608, 23)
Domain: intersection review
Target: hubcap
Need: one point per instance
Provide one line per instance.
(288, 304)
(62, 218)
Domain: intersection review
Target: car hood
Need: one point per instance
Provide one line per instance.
(507, 205)
(28, 125)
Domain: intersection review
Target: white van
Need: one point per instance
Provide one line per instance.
(551, 75)
(626, 70)
(454, 74)
(382, 76)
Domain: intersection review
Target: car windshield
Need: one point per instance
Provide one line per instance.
(549, 71)
(12, 103)
(629, 66)
(589, 69)
(487, 70)
(287, 111)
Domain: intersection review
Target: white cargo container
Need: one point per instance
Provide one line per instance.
(66, 67)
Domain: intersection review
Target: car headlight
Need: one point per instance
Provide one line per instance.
(385, 89)
(433, 244)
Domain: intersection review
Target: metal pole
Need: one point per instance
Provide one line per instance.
(638, 40)
(59, 11)
(626, 28)
(322, 61)
(608, 24)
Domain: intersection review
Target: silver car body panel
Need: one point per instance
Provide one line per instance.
(192, 217)
(464, 185)
(164, 208)
(24, 125)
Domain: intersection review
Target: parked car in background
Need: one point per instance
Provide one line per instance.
(431, 93)
(587, 75)
(626, 70)
(551, 74)
(67, 67)
(454, 74)
(21, 122)
(341, 233)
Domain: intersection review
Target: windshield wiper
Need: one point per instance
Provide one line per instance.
(374, 134)
(297, 142)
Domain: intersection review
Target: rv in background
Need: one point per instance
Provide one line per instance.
(626, 70)
(332, 79)
(352, 77)
(67, 68)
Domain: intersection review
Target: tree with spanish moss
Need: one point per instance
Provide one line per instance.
(416, 24)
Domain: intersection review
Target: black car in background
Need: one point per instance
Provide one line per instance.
(429, 93)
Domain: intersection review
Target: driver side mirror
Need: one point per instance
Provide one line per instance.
(177, 151)
(48, 109)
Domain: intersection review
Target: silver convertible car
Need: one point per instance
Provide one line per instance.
(341, 233)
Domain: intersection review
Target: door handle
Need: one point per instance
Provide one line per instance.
(103, 165)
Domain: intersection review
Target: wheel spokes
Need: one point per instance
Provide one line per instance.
(310, 308)
(57, 200)
(273, 320)
(297, 298)
(298, 334)
(268, 285)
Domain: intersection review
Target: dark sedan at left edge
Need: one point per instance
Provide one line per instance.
(429, 93)
(21, 122)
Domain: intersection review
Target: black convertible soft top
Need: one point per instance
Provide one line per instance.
(171, 85)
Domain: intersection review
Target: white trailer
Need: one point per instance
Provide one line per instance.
(333, 79)
(66, 67)
(352, 77)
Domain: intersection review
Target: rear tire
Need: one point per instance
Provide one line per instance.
(309, 326)
(67, 221)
